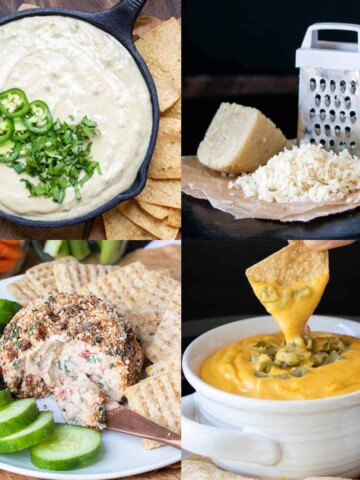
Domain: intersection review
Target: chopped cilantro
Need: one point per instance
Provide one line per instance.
(59, 159)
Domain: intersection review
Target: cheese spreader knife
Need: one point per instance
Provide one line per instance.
(124, 420)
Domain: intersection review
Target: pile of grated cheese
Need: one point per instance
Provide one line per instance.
(301, 174)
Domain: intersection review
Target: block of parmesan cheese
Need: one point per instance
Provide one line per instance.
(239, 139)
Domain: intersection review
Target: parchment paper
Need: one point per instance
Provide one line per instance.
(200, 182)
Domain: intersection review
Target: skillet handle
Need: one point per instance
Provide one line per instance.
(121, 16)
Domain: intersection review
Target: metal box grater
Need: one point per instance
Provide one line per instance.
(329, 90)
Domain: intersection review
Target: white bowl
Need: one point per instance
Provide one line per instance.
(270, 438)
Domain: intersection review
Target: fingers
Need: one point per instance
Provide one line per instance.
(326, 244)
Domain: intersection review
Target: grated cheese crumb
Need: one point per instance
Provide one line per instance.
(301, 174)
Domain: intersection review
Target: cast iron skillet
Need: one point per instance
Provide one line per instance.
(118, 22)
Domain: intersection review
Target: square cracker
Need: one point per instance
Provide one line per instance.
(161, 50)
(69, 278)
(294, 263)
(141, 294)
(167, 338)
(23, 291)
(166, 160)
(118, 226)
(155, 210)
(156, 227)
(161, 367)
(43, 278)
(159, 399)
(162, 192)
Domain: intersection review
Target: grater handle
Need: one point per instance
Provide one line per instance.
(311, 39)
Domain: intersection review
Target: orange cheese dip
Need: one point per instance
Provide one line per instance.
(289, 365)
(231, 369)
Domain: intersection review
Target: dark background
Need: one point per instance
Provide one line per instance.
(239, 40)
(242, 36)
(216, 291)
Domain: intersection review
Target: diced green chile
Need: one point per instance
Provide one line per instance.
(38, 119)
(335, 345)
(318, 359)
(14, 103)
(9, 151)
(21, 132)
(333, 357)
(286, 359)
(268, 348)
(6, 128)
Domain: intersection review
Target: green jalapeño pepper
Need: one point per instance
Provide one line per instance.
(21, 131)
(6, 128)
(38, 119)
(14, 103)
(9, 151)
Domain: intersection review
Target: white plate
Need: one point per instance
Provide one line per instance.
(122, 454)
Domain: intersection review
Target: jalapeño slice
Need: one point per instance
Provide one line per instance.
(6, 128)
(38, 119)
(9, 151)
(14, 103)
(21, 132)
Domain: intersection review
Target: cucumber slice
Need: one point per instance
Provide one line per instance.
(7, 311)
(5, 397)
(69, 447)
(17, 415)
(36, 432)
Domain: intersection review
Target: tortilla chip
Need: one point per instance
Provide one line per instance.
(167, 339)
(161, 50)
(159, 399)
(162, 192)
(119, 227)
(174, 111)
(43, 278)
(161, 367)
(23, 291)
(70, 278)
(143, 25)
(174, 218)
(294, 263)
(203, 468)
(155, 210)
(142, 295)
(156, 227)
(26, 6)
(166, 160)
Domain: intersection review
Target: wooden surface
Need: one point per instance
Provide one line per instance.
(168, 257)
(162, 9)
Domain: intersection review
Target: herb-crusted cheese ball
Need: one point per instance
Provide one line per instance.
(77, 348)
(239, 139)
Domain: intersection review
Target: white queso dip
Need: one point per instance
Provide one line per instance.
(78, 70)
